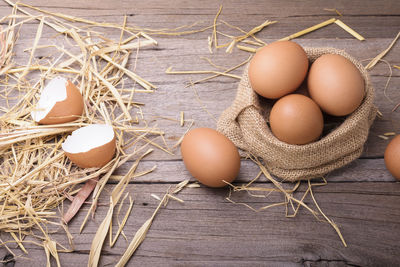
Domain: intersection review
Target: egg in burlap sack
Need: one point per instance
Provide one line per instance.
(244, 123)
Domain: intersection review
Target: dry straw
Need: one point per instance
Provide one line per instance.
(290, 201)
(105, 226)
(142, 231)
(321, 25)
(238, 41)
(334, 10)
(35, 176)
(376, 59)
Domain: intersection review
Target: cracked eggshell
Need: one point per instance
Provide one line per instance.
(60, 102)
(91, 146)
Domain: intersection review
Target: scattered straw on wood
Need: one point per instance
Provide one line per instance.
(321, 25)
(334, 10)
(35, 175)
(383, 137)
(170, 71)
(349, 30)
(50, 248)
(246, 48)
(389, 134)
(389, 77)
(213, 39)
(142, 232)
(203, 106)
(290, 202)
(333, 224)
(121, 225)
(223, 72)
(59, 25)
(182, 119)
(376, 59)
(308, 30)
(105, 226)
(247, 34)
(256, 41)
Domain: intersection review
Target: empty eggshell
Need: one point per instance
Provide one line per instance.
(91, 146)
(392, 157)
(210, 157)
(60, 102)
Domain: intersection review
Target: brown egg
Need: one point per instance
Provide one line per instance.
(210, 157)
(335, 84)
(60, 102)
(278, 69)
(392, 157)
(91, 146)
(296, 119)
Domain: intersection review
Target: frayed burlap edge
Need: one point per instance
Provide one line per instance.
(245, 125)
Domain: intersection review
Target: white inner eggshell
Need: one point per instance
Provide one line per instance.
(88, 137)
(55, 91)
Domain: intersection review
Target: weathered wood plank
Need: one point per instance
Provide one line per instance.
(208, 230)
(236, 7)
(174, 171)
(366, 18)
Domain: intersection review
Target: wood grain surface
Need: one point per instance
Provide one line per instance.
(363, 199)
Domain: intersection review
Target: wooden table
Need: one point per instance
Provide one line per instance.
(207, 230)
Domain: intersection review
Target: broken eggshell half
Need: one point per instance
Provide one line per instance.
(60, 102)
(91, 146)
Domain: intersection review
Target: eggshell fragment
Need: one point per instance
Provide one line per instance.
(60, 102)
(335, 84)
(278, 69)
(210, 157)
(91, 146)
(392, 157)
(296, 119)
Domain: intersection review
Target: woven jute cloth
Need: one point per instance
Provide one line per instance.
(245, 124)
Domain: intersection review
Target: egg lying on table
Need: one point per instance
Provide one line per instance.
(60, 102)
(335, 84)
(296, 119)
(392, 157)
(278, 69)
(91, 146)
(210, 157)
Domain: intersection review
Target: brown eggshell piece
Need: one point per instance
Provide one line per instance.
(210, 157)
(392, 157)
(96, 157)
(296, 119)
(67, 110)
(335, 84)
(278, 69)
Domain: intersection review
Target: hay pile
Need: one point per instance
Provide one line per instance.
(35, 175)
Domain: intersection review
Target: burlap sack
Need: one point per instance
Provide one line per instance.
(244, 122)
